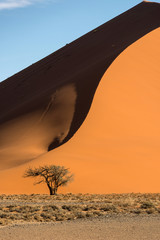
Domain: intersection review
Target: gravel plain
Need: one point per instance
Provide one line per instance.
(100, 228)
(131, 216)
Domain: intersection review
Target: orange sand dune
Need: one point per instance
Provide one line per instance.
(117, 149)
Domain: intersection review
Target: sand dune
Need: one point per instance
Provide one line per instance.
(116, 149)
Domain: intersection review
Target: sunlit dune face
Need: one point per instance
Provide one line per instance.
(117, 148)
(29, 136)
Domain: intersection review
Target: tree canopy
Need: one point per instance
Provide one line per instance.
(54, 176)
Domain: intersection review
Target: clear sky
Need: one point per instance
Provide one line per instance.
(32, 29)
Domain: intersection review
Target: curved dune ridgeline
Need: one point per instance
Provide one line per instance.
(116, 149)
(81, 64)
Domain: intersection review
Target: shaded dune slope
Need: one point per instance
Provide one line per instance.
(44, 105)
(117, 148)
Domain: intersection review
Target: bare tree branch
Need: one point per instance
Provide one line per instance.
(54, 176)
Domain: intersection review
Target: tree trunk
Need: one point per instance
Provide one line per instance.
(50, 189)
(55, 191)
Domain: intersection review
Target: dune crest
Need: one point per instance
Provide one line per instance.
(25, 96)
(117, 147)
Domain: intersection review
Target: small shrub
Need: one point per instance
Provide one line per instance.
(150, 211)
(146, 205)
(136, 211)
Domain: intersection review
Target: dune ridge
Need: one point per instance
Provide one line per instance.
(83, 62)
(111, 140)
(117, 147)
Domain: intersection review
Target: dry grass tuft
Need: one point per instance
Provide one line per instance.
(45, 208)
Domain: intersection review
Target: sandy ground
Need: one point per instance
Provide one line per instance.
(108, 228)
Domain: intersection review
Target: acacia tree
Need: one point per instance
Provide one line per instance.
(54, 176)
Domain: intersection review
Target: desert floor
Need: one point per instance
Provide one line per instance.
(77, 216)
(108, 228)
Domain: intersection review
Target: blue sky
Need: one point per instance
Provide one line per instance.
(32, 29)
